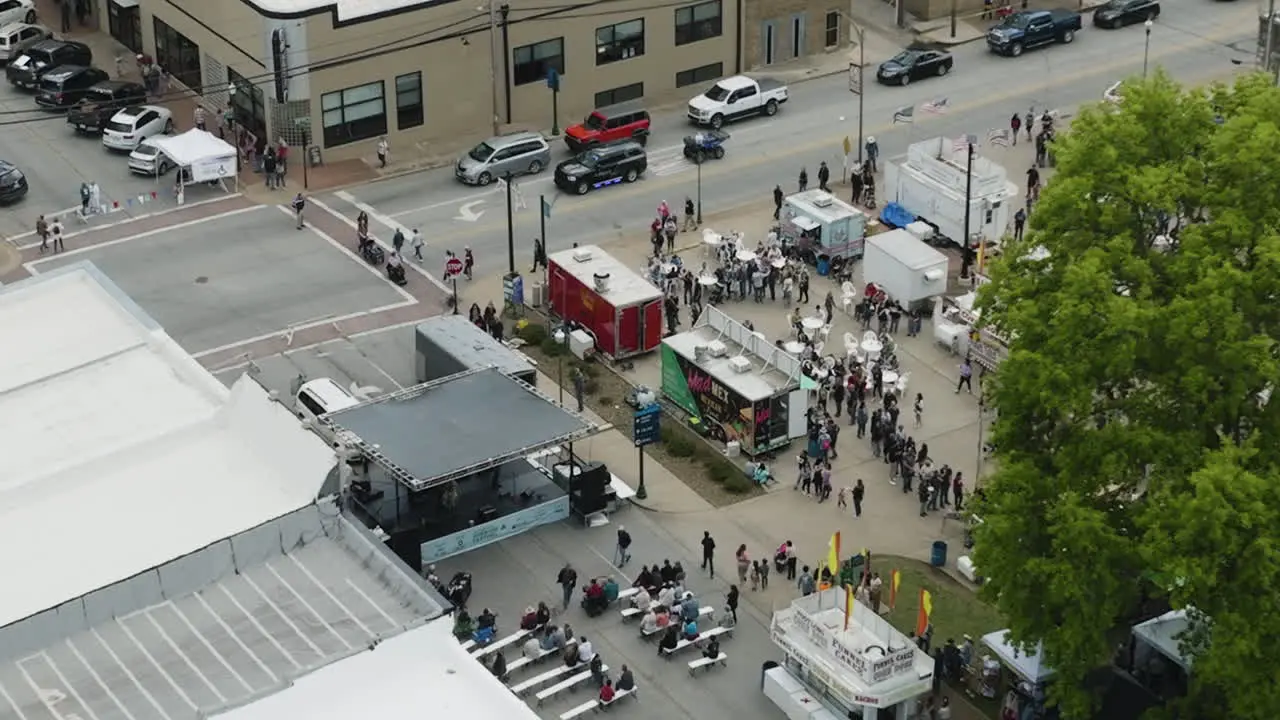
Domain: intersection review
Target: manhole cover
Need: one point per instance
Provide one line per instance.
(202, 280)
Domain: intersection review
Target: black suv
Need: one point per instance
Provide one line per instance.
(26, 70)
(64, 86)
(101, 102)
(601, 166)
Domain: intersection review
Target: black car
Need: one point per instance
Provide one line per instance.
(101, 102)
(63, 87)
(601, 166)
(1118, 13)
(26, 70)
(13, 184)
(910, 65)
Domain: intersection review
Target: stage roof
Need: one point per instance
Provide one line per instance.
(457, 426)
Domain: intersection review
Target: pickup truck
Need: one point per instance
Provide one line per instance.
(736, 97)
(1033, 28)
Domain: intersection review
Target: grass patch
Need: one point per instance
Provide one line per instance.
(957, 611)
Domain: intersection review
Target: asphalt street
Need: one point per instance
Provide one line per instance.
(1193, 41)
(56, 161)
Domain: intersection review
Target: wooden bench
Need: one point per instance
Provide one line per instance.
(617, 695)
(546, 677)
(630, 612)
(468, 645)
(582, 709)
(703, 611)
(526, 660)
(568, 684)
(497, 645)
(702, 662)
(685, 643)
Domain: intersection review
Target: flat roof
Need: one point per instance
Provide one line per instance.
(423, 668)
(823, 206)
(456, 426)
(764, 380)
(626, 285)
(907, 249)
(127, 453)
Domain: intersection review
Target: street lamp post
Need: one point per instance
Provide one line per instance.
(1146, 49)
(699, 164)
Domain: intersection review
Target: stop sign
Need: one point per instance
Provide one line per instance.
(453, 266)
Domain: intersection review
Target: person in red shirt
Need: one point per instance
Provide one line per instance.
(606, 692)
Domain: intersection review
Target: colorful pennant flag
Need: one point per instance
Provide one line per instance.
(904, 115)
(937, 107)
(926, 611)
(895, 579)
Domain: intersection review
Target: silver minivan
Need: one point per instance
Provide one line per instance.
(15, 38)
(518, 153)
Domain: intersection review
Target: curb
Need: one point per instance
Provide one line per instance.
(1083, 9)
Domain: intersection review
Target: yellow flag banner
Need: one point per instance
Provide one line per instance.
(848, 605)
(926, 611)
(895, 579)
(833, 557)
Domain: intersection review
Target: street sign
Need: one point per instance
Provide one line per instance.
(553, 79)
(646, 425)
(453, 267)
(855, 78)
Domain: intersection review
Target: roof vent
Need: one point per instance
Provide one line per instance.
(740, 364)
(601, 281)
(581, 255)
(822, 200)
(717, 349)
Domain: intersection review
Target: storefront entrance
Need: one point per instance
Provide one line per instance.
(178, 56)
(249, 105)
(124, 22)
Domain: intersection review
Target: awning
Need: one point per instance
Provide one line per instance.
(208, 156)
(804, 223)
(1030, 666)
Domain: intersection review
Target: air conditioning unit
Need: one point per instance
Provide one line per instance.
(717, 349)
(601, 282)
(581, 255)
(740, 364)
(822, 200)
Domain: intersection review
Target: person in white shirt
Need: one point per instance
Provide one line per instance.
(641, 600)
(585, 651)
(649, 623)
(667, 596)
(532, 648)
(383, 148)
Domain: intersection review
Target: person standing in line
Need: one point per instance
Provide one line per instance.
(966, 377)
(859, 491)
(383, 148)
(957, 491)
(416, 243)
(690, 220)
(269, 168)
(709, 555)
(804, 179)
(568, 580)
(1015, 125)
(824, 174)
(623, 553)
(918, 409)
(1019, 223)
(57, 235)
(299, 204)
(777, 201)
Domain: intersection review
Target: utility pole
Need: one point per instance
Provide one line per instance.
(1269, 42)
(493, 61)
(862, 64)
(511, 229)
(968, 205)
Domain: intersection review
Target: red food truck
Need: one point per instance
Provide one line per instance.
(617, 305)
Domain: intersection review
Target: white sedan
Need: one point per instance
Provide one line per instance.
(12, 11)
(129, 127)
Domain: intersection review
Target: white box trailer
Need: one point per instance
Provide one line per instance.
(908, 269)
(929, 182)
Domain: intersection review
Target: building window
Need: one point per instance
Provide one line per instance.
(532, 62)
(833, 29)
(698, 22)
(178, 56)
(357, 113)
(634, 91)
(409, 100)
(703, 74)
(248, 105)
(619, 42)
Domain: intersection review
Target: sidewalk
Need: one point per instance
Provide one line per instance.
(973, 26)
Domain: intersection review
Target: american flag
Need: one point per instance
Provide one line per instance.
(904, 115)
(937, 107)
(998, 136)
(960, 144)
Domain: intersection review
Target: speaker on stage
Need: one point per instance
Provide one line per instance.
(408, 547)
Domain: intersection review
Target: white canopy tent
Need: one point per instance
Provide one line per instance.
(1162, 633)
(1030, 666)
(207, 157)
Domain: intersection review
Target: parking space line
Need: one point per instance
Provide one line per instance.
(288, 656)
(129, 673)
(218, 618)
(4, 692)
(304, 326)
(98, 679)
(222, 370)
(67, 684)
(287, 620)
(334, 598)
(48, 697)
(309, 608)
(185, 658)
(208, 645)
(373, 604)
(350, 255)
(165, 673)
(373, 213)
(382, 372)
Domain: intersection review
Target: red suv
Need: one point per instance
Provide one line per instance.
(609, 124)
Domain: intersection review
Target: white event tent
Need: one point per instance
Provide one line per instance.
(1030, 666)
(207, 157)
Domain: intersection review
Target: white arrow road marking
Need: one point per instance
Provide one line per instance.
(364, 392)
(468, 213)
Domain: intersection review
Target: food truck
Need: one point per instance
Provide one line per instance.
(824, 230)
(615, 304)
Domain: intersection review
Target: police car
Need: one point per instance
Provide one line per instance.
(601, 166)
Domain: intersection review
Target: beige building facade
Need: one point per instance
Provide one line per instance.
(336, 75)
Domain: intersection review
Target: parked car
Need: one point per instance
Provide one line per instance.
(15, 38)
(910, 65)
(101, 102)
(602, 166)
(1118, 13)
(129, 127)
(15, 11)
(13, 184)
(517, 153)
(146, 159)
(63, 86)
(736, 97)
(1033, 28)
(26, 70)
(624, 121)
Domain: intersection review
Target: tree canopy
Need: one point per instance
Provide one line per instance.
(1137, 442)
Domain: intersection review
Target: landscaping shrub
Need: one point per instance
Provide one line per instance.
(532, 334)
(550, 347)
(738, 484)
(679, 446)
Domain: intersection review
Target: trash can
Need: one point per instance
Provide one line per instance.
(766, 667)
(824, 265)
(939, 556)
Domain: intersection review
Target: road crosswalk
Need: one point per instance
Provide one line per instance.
(668, 161)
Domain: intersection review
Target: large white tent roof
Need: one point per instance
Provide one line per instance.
(123, 452)
(193, 146)
(1030, 666)
(1163, 634)
(423, 672)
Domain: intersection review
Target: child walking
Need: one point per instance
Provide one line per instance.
(764, 574)
(755, 575)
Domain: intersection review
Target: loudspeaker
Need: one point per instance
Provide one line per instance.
(592, 480)
(408, 547)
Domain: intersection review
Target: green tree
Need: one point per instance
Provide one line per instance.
(1133, 405)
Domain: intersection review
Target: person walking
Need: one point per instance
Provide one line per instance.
(764, 574)
(65, 8)
(777, 201)
(824, 174)
(397, 241)
(56, 230)
(966, 377)
(803, 287)
(690, 219)
(872, 149)
(383, 148)
(744, 563)
(957, 491)
(198, 116)
(842, 499)
(568, 580)
(416, 243)
(1030, 122)
(791, 561)
(855, 182)
(917, 409)
(623, 552)
(731, 602)
(299, 204)
(539, 255)
(42, 232)
(1015, 125)
(1033, 184)
(1019, 223)
(468, 263)
(709, 554)
(859, 491)
(269, 168)
(804, 179)
(861, 419)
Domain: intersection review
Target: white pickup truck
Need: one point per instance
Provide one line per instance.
(736, 97)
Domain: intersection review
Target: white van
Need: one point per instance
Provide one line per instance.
(321, 397)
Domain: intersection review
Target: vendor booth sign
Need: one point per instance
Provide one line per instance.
(212, 169)
(757, 426)
(495, 530)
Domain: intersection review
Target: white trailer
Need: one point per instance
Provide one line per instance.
(929, 182)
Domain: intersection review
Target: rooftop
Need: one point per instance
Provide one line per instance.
(132, 454)
(625, 285)
(424, 668)
(457, 426)
(772, 369)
